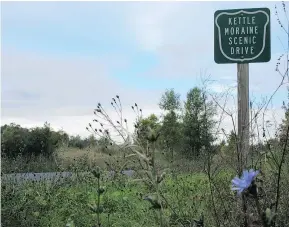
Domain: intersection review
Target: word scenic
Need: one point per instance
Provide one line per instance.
(240, 36)
(243, 37)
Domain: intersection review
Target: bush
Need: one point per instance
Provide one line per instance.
(16, 141)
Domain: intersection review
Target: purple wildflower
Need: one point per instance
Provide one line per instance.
(243, 183)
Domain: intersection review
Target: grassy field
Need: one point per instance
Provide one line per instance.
(44, 204)
(186, 194)
(65, 160)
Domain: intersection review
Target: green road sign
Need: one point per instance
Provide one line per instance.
(242, 36)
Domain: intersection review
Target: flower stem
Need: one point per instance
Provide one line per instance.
(245, 211)
(98, 203)
(259, 211)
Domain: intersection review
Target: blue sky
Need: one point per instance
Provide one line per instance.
(59, 59)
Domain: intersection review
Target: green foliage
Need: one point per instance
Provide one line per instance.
(151, 121)
(16, 140)
(147, 126)
(170, 100)
(76, 141)
(174, 196)
(40, 141)
(46, 204)
(230, 148)
(198, 122)
(171, 133)
(170, 137)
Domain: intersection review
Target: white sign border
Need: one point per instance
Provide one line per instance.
(246, 12)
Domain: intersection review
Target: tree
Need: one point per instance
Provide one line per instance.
(170, 131)
(40, 141)
(231, 147)
(198, 122)
(14, 140)
(146, 126)
(59, 138)
(77, 142)
(91, 141)
(170, 100)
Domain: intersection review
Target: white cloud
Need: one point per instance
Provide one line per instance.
(181, 35)
(64, 91)
(76, 125)
(37, 87)
(70, 85)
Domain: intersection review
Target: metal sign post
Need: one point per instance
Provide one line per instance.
(242, 36)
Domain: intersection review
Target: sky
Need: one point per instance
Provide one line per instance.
(60, 59)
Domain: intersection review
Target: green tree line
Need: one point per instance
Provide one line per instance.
(16, 140)
(184, 127)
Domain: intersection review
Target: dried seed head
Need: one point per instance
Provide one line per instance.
(152, 135)
(284, 6)
(117, 96)
(125, 120)
(101, 190)
(96, 172)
